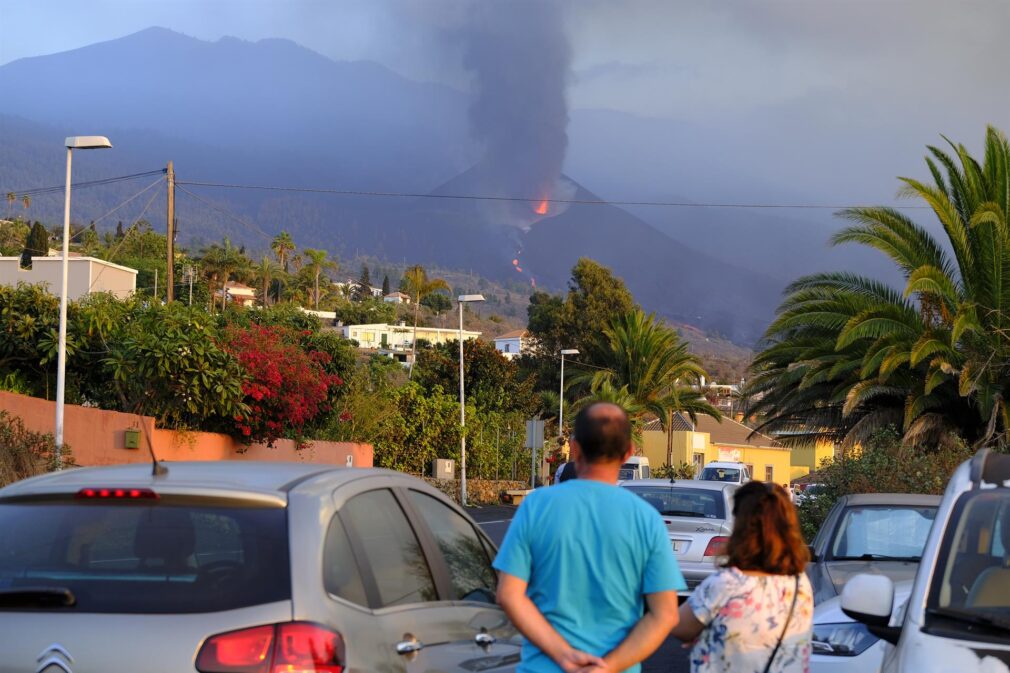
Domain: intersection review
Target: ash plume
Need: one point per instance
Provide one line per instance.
(519, 56)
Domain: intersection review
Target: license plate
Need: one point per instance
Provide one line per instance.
(679, 546)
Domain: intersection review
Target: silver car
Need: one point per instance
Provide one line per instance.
(244, 567)
(881, 533)
(698, 517)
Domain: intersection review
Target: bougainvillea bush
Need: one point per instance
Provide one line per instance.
(287, 386)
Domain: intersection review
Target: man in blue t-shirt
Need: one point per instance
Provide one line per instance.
(581, 561)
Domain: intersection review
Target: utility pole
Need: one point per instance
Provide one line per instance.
(170, 280)
(155, 285)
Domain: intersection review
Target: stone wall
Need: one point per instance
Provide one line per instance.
(478, 491)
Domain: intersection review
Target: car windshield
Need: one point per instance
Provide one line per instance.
(143, 558)
(972, 578)
(730, 474)
(882, 532)
(687, 502)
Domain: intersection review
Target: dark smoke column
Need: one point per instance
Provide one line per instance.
(519, 54)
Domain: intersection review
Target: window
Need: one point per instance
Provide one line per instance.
(883, 532)
(138, 558)
(508, 348)
(770, 473)
(391, 549)
(470, 569)
(686, 502)
(340, 570)
(727, 474)
(750, 470)
(699, 462)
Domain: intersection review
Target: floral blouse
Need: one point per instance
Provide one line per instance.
(744, 616)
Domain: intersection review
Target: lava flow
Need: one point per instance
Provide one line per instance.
(542, 207)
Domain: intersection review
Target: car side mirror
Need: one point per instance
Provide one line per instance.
(869, 599)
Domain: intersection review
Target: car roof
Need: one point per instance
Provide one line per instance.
(725, 463)
(681, 483)
(910, 499)
(247, 476)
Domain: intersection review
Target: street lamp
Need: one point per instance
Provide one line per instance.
(463, 299)
(72, 143)
(561, 396)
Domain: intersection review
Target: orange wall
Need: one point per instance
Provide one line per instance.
(97, 437)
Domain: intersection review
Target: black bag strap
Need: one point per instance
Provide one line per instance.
(785, 628)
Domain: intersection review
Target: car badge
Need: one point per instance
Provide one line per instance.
(54, 656)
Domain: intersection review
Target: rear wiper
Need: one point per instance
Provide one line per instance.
(679, 512)
(879, 557)
(971, 617)
(37, 597)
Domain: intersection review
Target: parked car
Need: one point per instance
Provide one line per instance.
(957, 617)
(870, 533)
(244, 566)
(698, 517)
(732, 473)
(843, 645)
(637, 467)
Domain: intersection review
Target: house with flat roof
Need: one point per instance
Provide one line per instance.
(513, 344)
(85, 275)
(397, 340)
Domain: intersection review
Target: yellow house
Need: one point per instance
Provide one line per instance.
(709, 440)
(808, 458)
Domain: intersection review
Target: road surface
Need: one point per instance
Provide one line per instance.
(670, 658)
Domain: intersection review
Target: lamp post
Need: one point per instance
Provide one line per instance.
(72, 143)
(561, 395)
(463, 299)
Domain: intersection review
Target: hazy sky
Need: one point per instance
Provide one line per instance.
(858, 84)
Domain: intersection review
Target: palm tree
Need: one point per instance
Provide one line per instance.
(26, 201)
(317, 264)
(266, 271)
(649, 371)
(848, 355)
(282, 246)
(417, 284)
(220, 263)
(11, 198)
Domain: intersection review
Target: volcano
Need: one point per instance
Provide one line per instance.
(665, 275)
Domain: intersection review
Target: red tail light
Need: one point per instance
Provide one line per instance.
(716, 546)
(117, 494)
(291, 647)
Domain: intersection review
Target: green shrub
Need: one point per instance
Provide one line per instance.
(24, 453)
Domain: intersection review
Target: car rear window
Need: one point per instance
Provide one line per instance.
(686, 502)
(727, 474)
(147, 558)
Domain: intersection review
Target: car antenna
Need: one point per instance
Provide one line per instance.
(158, 468)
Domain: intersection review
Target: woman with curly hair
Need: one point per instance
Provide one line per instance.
(755, 614)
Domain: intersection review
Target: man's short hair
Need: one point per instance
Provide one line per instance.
(603, 432)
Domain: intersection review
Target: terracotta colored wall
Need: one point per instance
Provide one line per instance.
(97, 437)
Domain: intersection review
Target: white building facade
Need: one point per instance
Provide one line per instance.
(512, 344)
(85, 275)
(399, 338)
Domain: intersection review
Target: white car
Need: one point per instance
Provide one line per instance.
(843, 645)
(957, 617)
(726, 472)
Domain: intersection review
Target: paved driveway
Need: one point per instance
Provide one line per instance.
(670, 658)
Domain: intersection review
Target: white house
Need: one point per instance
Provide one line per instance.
(513, 344)
(350, 286)
(239, 293)
(397, 298)
(398, 338)
(85, 275)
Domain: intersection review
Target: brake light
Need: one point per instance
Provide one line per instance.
(291, 647)
(117, 494)
(716, 546)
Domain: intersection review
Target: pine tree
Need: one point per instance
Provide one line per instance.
(364, 290)
(385, 285)
(120, 234)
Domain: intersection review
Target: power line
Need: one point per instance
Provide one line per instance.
(223, 211)
(82, 185)
(532, 201)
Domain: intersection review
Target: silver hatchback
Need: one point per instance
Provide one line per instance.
(244, 567)
(698, 517)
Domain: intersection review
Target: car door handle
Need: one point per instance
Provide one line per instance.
(484, 639)
(409, 645)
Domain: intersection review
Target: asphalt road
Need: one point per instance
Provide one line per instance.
(670, 658)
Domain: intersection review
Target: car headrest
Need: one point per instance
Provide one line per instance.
(165, 533)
